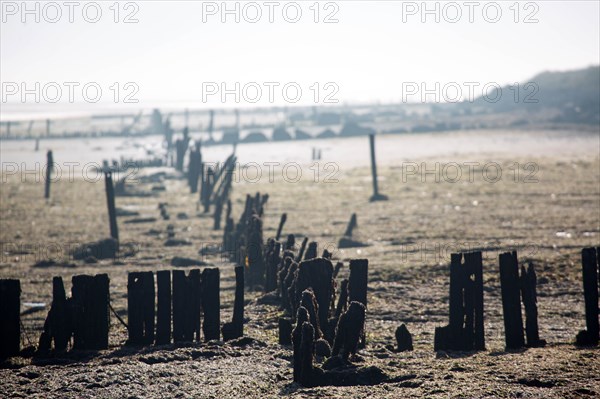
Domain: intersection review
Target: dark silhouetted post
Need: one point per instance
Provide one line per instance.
(529, 297)
(511, 301)
(311, 251)
(306, 355)
(10, 318)
(376, 196)
(49, 168)
(163, 317)
(140, 308)
(590, 262)
(186, 305)
(357, 283)
(474, 264)
(302, 249)
(349, 331)
(235, 329)
(316, 273)
(281, 223)
(91, 318)
(211, 303)
(110, 200)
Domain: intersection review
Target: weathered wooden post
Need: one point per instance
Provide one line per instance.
(273, 259)
(91, 318)
(301, 318)
(316, 273)
(357, 286)
(465, 329)
(10, 318)
(208, 187)
(179, 303)
(110, 200)
(456, 300)
(49, 168)
(590, 262)
(163, 317)
(140, 308)
(211, 303)
(311, 251)
(235, 329)
(194, 168)
(376, 196)
(306, 355)
(528, 281)
(474, 265)
(187, 302)
(301, 251)
(57, 326)
(349, 331)
(281, 223)
(511, 302)
(358, 280)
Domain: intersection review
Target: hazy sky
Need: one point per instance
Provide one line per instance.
(368, 54)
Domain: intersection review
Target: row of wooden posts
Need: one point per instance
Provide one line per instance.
(85, 315)
(307, 293)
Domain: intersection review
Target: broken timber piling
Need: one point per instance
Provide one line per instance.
(465, 330)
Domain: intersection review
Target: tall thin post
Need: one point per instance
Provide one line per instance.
(49, 168)
(110, 200)
(589, 259)
(511, 301)
(211, 303)
(376, 196)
